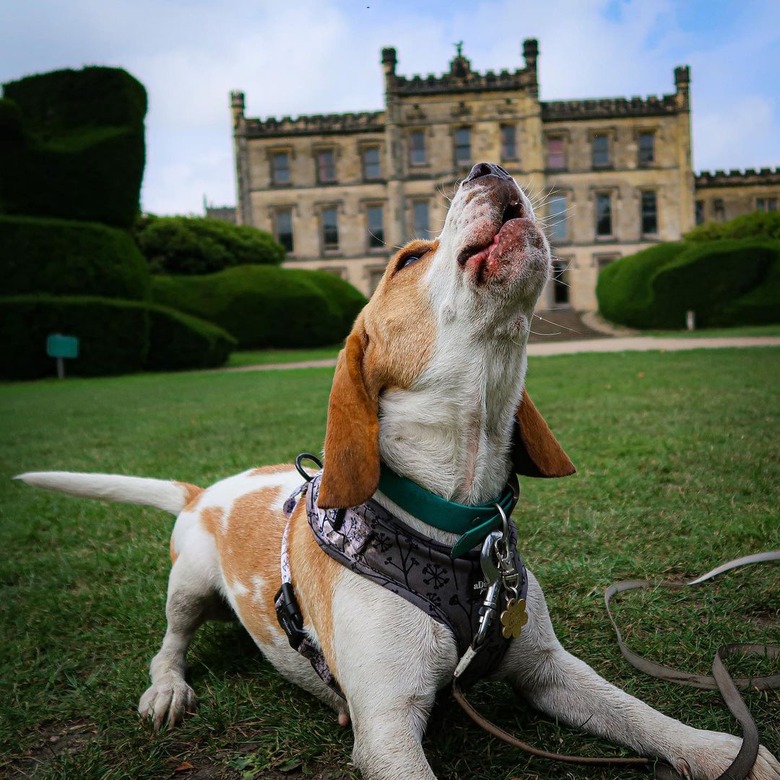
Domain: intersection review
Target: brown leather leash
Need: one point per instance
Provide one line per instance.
(720, 680)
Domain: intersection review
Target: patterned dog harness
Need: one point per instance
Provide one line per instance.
(372, 542)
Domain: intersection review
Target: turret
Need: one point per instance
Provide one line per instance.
(682, 83)
(389, 61)
(530, 55)
(237, 106)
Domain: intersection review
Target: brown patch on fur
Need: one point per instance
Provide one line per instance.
(211, 520)
(382, 351)
(192, 494)
(314, 575)
(396, 353)
(249, 547)
(535, 451)
(174, 554)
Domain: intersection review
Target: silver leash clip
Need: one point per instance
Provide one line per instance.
(494, 579)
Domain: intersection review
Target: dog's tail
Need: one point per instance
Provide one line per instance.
(163, 494)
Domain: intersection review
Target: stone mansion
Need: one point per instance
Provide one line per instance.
(610, 176)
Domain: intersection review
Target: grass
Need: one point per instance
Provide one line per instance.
(270, 356)
(678, 471)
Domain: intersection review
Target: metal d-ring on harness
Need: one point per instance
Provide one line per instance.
(299, 464)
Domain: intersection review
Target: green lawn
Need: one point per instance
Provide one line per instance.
(267, 357)
(678, 471)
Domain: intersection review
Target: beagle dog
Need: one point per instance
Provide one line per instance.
(430, 383)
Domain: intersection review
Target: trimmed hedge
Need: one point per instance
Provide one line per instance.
(266, 307)
(113, 335)
(760, 306)
(624, 288)
(116, 337)
(707, 277)
(59, 257)
(347, 300)
(723, 282)
(198, 245)
(178, 341)
(75, 147)
(74, 98)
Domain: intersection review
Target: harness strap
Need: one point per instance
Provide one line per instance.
(370, 541)
(289, 614)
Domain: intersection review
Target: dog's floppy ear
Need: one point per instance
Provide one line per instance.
(535, 451)
(351, 470)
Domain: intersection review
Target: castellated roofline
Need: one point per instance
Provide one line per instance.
(598, 108)
(317, 124)
(461, 77)
(736, 177)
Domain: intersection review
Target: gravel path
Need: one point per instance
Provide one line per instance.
(648, 343)
(621, 344)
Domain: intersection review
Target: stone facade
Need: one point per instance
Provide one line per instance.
(723, 195)
(610, 176)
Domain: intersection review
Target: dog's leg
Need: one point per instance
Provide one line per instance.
(391, 660)
(191, 601)
(557, 683)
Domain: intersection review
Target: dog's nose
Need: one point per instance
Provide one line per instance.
(486, 169)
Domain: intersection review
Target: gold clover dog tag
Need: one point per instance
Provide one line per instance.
(513, 618)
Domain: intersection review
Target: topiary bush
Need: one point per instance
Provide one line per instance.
(347, 300)
(178, 341)
(59, 257)
(68, 98)
(759, 224)
(759, 306)
(74, 146)
(266, 307)
(115, 337)
(624, 288)
(708, 278)
(198, 245)
(723, 282)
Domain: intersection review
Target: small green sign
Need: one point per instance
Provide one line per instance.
(59, 346)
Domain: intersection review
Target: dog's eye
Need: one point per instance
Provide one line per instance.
(407, 260)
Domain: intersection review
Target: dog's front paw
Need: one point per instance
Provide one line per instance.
(166, 702)
(709, 761)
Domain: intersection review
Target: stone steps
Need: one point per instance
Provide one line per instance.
(561, 325)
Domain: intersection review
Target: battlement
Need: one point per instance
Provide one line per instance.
(468, 81)
(461, 77)
(738, 177)
(316, 124)
(606, 108)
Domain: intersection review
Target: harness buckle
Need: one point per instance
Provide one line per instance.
(289, 615)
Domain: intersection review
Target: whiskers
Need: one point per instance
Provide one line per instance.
(560, 267)
(539, 201)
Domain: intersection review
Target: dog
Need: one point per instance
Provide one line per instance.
(430, 383)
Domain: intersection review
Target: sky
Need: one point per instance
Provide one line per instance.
(294, 57)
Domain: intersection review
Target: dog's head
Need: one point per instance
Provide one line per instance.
(471, 291)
